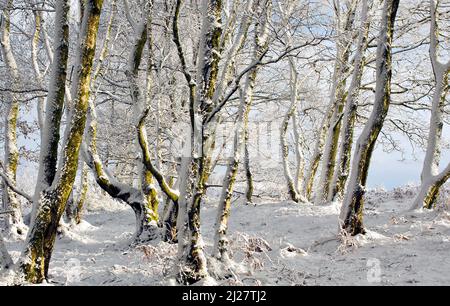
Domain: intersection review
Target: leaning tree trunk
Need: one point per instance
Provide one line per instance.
(338, 95)
(351, 217)
(220, 248)
(14, 220)
(146, 228)
(351, 105)
(221, 245)
(35, 259)
(432, 179)
(143, 33)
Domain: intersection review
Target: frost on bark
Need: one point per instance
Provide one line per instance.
(351, 217)
(50, 202)
(195, 164)
(337, 101)
(295, 188)
(221, 248)
(143, 200)
(205, 103)
(317, 154)
(37, 72)
(142, 35)
(432, 178)
(14, 221)
(351, 104)
(134, 197)
(50, 135)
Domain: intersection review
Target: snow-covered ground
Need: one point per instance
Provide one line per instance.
(273, 244)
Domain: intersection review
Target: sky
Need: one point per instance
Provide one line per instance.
(388, 170)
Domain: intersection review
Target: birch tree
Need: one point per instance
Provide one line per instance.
(142, 200)
(351, 216)
(50, 201)
(143, 32)
(221, 248)
(14, 221)
(206, 100)
(432, 178)
(195, 163)
(337, 98)
(295, 182)
(351, 105)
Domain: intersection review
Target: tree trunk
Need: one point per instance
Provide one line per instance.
(291, 184)
(221, 247)
(196, 163)
(317, 154)
(348, 122)
(170, 214)
(432, 179)
(351, 217)
(143, 33)
(35, 258)
(14, 221)
(145, 226)
(247, 166)
(74, 207)
(337, 98)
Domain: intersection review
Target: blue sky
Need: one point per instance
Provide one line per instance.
(389, 170)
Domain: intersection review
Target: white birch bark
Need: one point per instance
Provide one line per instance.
(50, 130)
(348, 121)
(432, 178)
(35, 258)
(14, 221)
(351, 216)
(291, 183)
(221, 248)
(343, 43)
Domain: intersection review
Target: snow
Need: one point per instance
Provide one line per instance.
(277, 243)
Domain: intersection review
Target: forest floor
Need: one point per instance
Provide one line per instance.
(273, 244)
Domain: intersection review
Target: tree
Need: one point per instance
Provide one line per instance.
(221, 248)
(14, 221)
(50, 201)
(333, 117)
(350, 110)
(432, 178)
(295, 186)
(351, 216)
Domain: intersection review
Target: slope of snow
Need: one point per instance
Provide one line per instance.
(273, 244)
